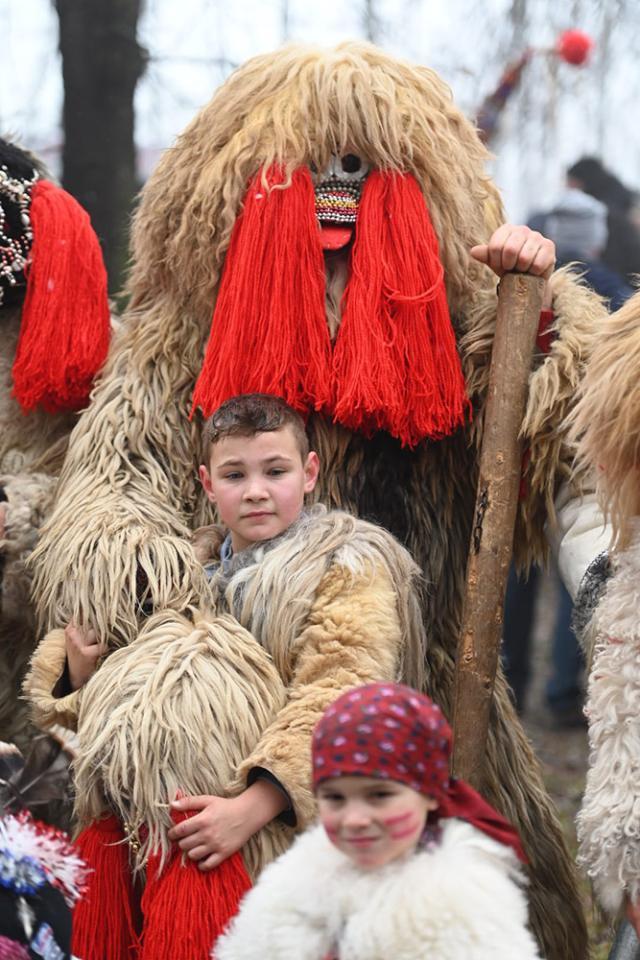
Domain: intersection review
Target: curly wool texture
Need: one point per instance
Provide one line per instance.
(32, 446)
(29, 499)
(609, 820)
(180, 708)
(606, 421)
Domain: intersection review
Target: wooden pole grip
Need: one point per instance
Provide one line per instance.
(519, 304)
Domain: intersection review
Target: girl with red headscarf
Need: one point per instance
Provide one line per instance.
(406, 863)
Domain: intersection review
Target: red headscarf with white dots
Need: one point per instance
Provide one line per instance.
(391, 732)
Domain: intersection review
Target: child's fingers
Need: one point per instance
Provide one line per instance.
(95, 651)
(212, 861)
(182, 830)
(198, 852)
(191, 803)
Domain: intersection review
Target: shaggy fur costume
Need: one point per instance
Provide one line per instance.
(458, 900)
(609, 818)
(54, 293)
(606, 427)
(607, 419)
(32, 446)
(131, 467)
(330, 604)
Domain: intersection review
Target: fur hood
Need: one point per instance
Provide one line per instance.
(459, 900)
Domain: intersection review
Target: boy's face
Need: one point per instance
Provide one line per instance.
(372, 821)
(258, 484)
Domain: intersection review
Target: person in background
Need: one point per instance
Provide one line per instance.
(622, 250)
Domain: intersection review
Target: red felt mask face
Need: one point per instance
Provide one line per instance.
(372, 821)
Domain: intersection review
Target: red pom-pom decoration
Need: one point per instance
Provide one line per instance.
(574, 46)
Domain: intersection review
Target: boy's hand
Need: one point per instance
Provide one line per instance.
(224, 825)
(83, 652)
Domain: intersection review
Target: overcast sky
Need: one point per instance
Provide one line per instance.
(193, 42)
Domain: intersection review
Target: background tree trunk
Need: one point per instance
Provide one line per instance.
(101, 65)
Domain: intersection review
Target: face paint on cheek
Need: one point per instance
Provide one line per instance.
(331, 832)
(407, 823)
(393, 821)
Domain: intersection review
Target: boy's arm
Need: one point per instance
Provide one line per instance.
(352, 637)
(50, 703)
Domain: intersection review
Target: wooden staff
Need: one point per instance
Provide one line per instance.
(519, 303)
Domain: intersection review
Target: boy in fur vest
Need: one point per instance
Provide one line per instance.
(219, 709)
(407, 862)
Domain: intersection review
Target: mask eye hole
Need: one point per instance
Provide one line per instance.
(350, 163)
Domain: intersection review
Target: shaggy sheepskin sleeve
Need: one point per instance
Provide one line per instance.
(609, 819)
(29, 498)
(352, 637)
(45, 671)
(461, 900)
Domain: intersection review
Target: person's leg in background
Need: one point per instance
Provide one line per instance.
(519, 609)
(564, 692)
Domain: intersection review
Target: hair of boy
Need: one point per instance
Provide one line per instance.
(250, 414)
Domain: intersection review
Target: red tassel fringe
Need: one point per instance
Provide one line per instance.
(64, 334)
(269, 331)
(186, 910)
(396, 365)
(103, 924)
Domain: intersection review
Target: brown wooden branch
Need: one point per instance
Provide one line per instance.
(520, 299)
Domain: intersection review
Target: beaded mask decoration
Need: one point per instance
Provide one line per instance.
(337, 194)
(16, 233)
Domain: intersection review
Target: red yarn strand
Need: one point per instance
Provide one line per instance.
(65, 328)
(103, 924)
(396, 365)
(269, 331)
(186, 910)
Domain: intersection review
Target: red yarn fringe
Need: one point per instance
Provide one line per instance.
(186, 910)
(103, 924)
(64, 334)
(396, 365)
(269, 330)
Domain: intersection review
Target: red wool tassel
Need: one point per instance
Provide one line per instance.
(396, 365)
(103, 924)
(186, 910)
(269, 330)
(64, 334)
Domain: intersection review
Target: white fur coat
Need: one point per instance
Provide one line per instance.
(460, 900)
(609, 819)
